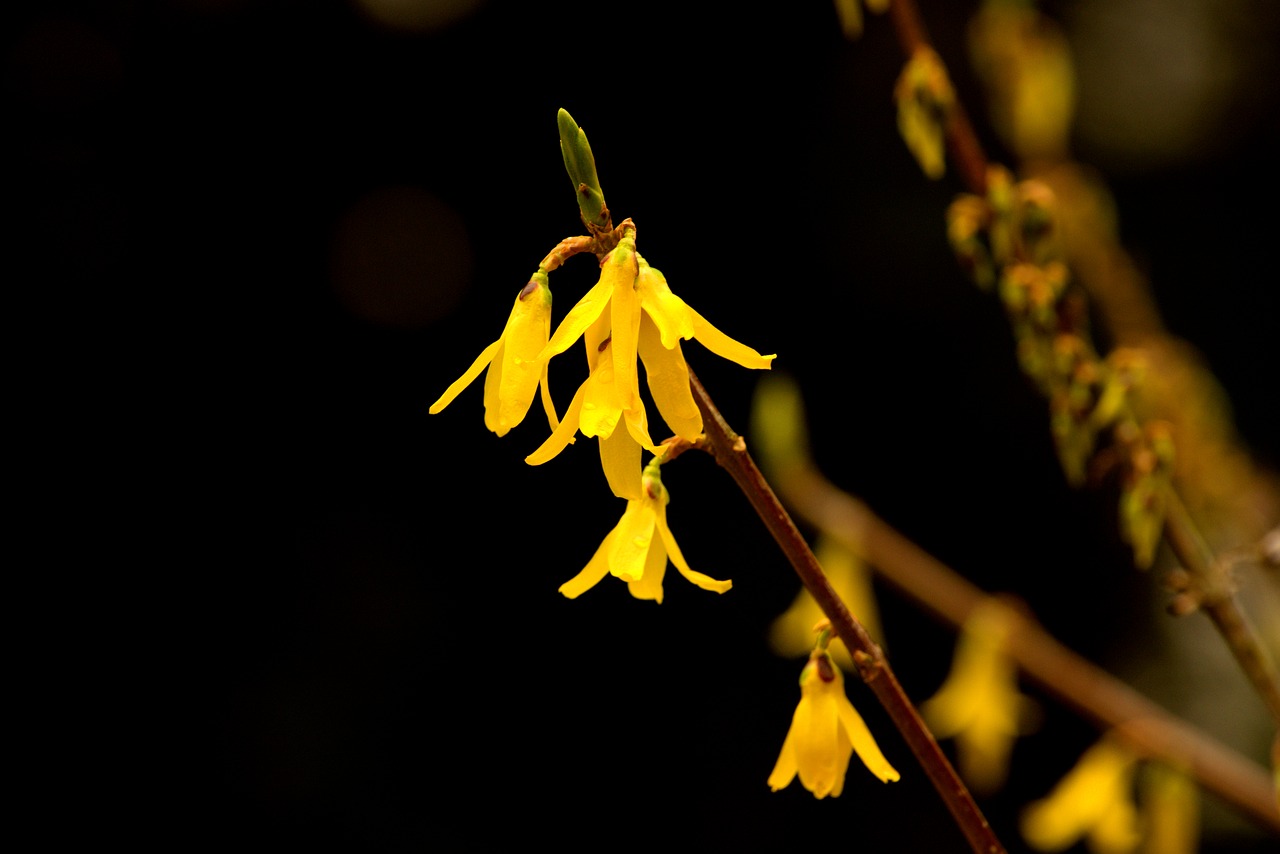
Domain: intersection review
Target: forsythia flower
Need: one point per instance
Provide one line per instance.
(632, 552)
(1093, 800)
(632, 312)
(516, 366)
(979, 704)
(792, 632)
(825, 732)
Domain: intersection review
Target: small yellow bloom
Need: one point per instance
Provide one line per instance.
(632, 552)
(825, 732)
(979, 704)
(516, 366)
(1093, 800)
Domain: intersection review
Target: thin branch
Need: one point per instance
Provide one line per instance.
(1180, 530)
(730, 451)
(1144, 726)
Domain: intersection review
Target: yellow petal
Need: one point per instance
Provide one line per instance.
(817, 739)
(600, 407)
(784, 771)
(493, 387)
(668, 377)
(596, 569)
(563, 434)
(547, 404)
(620, 267)
(844, 750)
(620, 459)
(638, 426)
(669, 313)
(864, 744)
(579, 318)
(596, 338)
(706, 582)
(631, 546)
(725, 347)
(468, 376)
(524, 339)
(649, 586)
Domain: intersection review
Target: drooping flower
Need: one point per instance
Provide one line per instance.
(979, 704)
(825, 732)
(515, 362)
(1093, 800)
(792, 632)
(644, 318)
(636, 550)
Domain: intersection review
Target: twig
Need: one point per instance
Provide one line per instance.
(1144, 726)
(1180, 530)
(730, 451)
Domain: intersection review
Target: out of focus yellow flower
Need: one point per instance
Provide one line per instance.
(637, 548)
(516, 366)
(825, 732)
(1094, 801)
(979, 704)
(792, 632)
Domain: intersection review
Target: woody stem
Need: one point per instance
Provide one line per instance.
(730, 451)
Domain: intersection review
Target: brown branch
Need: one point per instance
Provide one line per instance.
(730, 451)
(1144, 726)
(1180, 530)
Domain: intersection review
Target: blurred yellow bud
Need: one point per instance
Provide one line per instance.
(925, 100)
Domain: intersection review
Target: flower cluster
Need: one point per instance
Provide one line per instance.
(629, 315)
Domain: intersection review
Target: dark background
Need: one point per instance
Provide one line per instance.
(285, 227)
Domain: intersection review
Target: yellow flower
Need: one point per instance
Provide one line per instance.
(516, 366)
(632, 552)
(1093, 800)
(792, 632)
(645, 318)
(979, 704)
(825, 732)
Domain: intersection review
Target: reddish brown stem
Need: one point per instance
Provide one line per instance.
(1180, 530)
(1142, 725)
(730, 451)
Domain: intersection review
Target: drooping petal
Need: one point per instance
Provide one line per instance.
(591, 574)
(493, 387)
(620, 459)
(649, 585)
(600, 407)
(547, 403)
(668, 377)
(468, 376)
(624, 310)
(669, 313)
(638, 426)
(631, 546)
(579, 318)
(784, 771)
(596, 338)
(864, 744)
(844, 750)
(523, 340)
(563, 434)
(817, 740)
(725, 347)
(706, 582)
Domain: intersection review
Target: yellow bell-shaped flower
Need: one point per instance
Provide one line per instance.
(825, 732)
(516, 366)
(637, 548)
(1094, 800)
(979, 704)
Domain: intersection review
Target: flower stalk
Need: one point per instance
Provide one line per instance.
(730, 452)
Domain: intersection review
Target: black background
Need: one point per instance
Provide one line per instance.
(364, 596)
